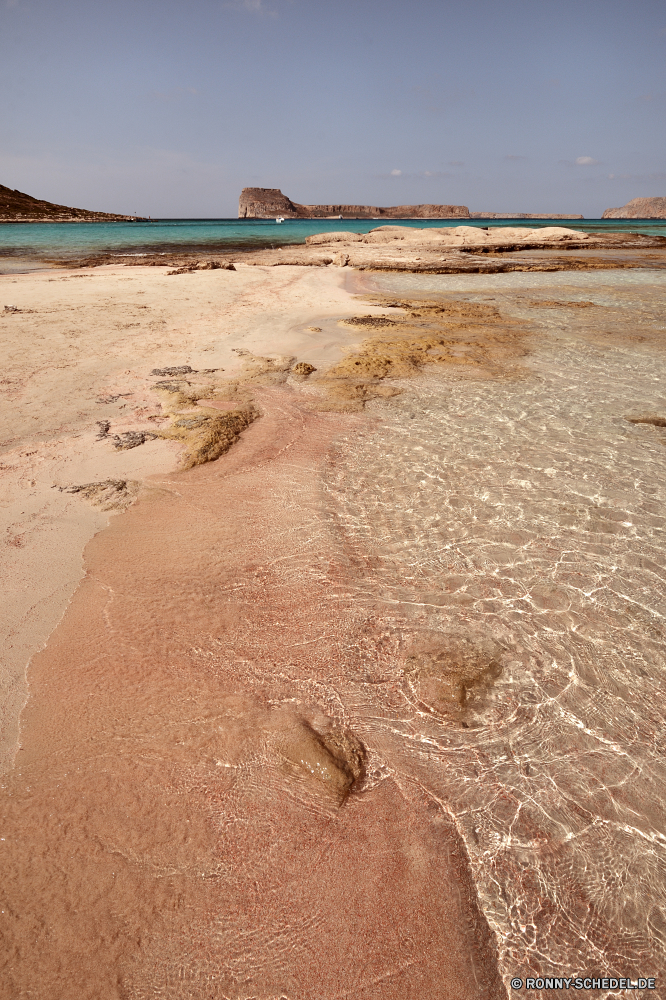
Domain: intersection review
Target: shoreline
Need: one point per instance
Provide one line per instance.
(256, 612)
(51, 438)
(426, 250)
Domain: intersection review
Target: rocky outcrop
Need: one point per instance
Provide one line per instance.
(639, 208)
(18, 207)
(461, 249)
(267, 203)
(495, 238)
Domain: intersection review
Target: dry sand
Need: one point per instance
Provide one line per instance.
(80, 350)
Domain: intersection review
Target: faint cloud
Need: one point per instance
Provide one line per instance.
(11, 3)
(456, 163)
(395, 174)
(512, 157)
(251, 6)
(639, 178)
(580, 161)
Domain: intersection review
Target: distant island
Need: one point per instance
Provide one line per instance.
(15, 206)
(639, 208)
(267, 203)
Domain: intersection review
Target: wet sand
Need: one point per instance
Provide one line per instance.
(194, 836)
(273, 748)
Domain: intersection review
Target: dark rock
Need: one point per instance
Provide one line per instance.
(169, 386)
(131, 439)
(111, 494)
(303, 368)
(656, 419)
(177, 370)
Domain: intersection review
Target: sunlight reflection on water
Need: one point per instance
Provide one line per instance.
(530, 512)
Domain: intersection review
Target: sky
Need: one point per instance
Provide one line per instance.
(169, 108)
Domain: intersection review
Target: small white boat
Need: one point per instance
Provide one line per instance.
(280, 218)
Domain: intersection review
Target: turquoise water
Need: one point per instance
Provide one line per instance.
(63, 241)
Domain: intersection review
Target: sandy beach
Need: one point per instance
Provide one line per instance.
(80, 349)
(361, 707)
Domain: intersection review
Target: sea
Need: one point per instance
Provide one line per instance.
(33, 246)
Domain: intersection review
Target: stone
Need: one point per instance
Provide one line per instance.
(111, 494)
(131, 439)
(177, 370)
(303, 368)
(335, 237)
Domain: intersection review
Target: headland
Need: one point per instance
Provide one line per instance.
(639, 208)
(15, 206)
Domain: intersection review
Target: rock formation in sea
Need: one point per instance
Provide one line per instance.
(458, 249)
(520, 215)
(18, 207)
(266, 203)
(638, 208)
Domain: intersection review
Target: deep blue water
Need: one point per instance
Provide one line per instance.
(63, 241)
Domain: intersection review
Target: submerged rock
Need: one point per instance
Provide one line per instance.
(329, 760)
(450, 674)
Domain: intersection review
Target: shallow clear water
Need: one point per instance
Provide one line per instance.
(170, 830)
(74, 239)
(532, 514)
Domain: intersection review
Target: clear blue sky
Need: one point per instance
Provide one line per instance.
(170, 108)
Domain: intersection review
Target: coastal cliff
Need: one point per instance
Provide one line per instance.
(266, 203)
(638, 208)
(18, 207)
